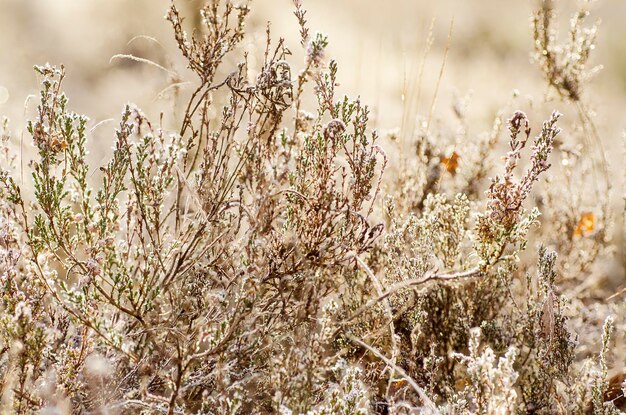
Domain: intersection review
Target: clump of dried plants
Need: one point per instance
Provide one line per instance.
(258, 260)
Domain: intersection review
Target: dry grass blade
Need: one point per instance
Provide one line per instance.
(141, 60)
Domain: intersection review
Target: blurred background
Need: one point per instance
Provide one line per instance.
(380, 47)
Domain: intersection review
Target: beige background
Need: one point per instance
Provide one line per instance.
(378, 44)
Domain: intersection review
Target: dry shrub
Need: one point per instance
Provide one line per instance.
(239, 265)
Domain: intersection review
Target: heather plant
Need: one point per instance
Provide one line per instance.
(257, 259)
(565, 68)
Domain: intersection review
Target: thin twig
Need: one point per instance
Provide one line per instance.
(472, 273)
(430, 407)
